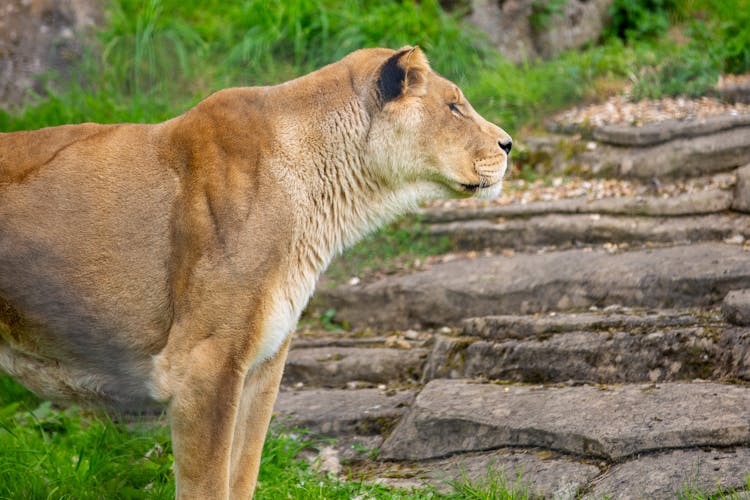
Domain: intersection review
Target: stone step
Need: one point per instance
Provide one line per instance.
(668, 475)
(635, 441)
(679, 157)
(686, 157)
(663, 131)
(543, 474)
(338, 366)
(566, 231)
(612, 423)
(702, 202)
(600, 347)
(684, 276)
(511, 326)
(342, 412)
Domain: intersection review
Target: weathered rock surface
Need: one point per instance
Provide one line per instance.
(667, 475)
(566, 231)
(697, 203)
(741, 201)
(678, 158)
(309, 342)
(335, 366)
(499, 328)
(616, 422)
(690, 157)
(736, 307)
(593, 357)
(684, 276)
(545, 474)
(734, 349)
(663, 131)
(336, 412)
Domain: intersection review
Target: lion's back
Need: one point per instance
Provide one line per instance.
(21, 153)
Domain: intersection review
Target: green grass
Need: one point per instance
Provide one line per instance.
(70, 453)
(46, 452)
(691, 492)
(494, 486)
(393, 248)
(158, 57)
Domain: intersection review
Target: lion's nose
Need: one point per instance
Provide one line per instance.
(506, 146)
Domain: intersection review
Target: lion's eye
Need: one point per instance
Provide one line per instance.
(454, 109)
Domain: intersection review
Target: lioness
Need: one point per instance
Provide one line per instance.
(169, 263)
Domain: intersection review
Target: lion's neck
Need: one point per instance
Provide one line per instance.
(342, 200)
(345, 204)
(335, 201)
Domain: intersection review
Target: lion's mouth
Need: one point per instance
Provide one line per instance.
(484, 183)
(484, 189)
(471, 188)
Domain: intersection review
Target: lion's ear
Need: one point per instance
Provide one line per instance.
(404, 73)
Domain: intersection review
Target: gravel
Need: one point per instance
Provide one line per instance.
(620, 110)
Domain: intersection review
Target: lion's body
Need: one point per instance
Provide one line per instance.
(168, 263)
(84, 248)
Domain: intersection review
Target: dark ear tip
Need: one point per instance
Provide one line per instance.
(391, 79)
(402, 71)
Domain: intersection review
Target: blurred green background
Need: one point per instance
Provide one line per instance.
(155, 58)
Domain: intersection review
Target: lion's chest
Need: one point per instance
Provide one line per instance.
(287, 304)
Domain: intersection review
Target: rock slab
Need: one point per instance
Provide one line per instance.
(741, 201)
(335, 366)
(593, 357)
(339, 412)
(499, 328)
(566, 231)
(452, 416)
(679, 157)
(700, 202)
(542, 474)
(663, 131)
(736, 307)
(689, 157)
(684, 276)
(668, 475)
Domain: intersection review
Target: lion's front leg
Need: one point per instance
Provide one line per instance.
(256, 405)
(202, 415)
(200, 374)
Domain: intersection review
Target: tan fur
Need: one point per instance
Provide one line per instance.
(169, 263)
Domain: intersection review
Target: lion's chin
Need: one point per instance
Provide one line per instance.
(489, 192)
(459, 190)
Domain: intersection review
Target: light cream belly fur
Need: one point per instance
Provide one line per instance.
(27, 355)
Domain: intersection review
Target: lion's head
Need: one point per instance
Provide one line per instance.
(426, 133)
